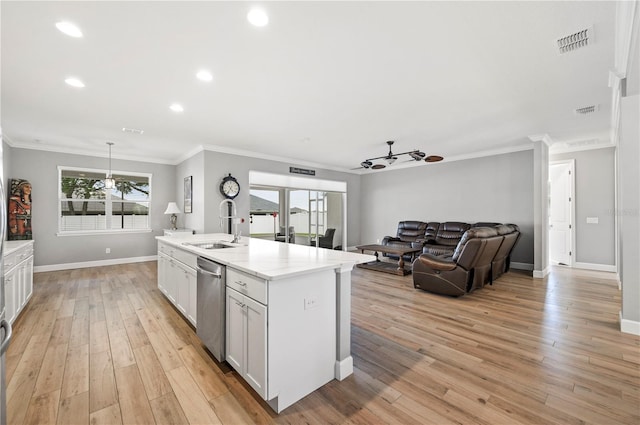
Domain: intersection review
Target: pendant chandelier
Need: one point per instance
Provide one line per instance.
(109, 181)
(390, 158)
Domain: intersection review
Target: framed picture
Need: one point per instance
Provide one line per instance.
(187, 194)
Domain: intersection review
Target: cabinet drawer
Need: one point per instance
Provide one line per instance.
(250, 286)
(23, 253)
(185, 257)
(10, 260)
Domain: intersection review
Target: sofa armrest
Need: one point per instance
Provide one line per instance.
(437, 263)
(388, 239)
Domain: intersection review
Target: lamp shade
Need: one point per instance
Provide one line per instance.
(172, 208)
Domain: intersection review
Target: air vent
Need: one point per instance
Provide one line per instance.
(132, 130)
(575, 41)
(586, 110)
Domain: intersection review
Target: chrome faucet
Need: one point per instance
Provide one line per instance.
(234, 218)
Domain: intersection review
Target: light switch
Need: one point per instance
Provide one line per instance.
(592, 220)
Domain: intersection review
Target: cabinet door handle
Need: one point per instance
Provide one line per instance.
(239, 304)
(241, 283)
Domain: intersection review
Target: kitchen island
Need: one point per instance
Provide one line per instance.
(288, 309)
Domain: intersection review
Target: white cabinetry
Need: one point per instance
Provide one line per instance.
(18, 277)
(177, 279)
(247, 339)
(280, 334)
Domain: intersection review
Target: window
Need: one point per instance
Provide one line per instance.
(87, 207)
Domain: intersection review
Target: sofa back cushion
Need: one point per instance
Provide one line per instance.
(431, 231)
(469, 235)
(450, 232)
(409, 231)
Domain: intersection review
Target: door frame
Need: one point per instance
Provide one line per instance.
(572, 206)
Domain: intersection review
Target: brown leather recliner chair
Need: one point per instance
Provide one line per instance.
(446, 239)
(408, 235)
(455, 275)
(502, 261)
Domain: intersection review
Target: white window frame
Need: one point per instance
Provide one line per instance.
(108, 203)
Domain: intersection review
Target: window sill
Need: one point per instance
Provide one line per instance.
(102, 232)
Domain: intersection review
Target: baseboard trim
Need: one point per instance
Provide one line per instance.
(87, 264)
(596, 267)
(629, 326)
(521, 266)
(540, 274)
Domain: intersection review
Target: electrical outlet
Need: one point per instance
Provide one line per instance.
(310, 303)
(107, 251)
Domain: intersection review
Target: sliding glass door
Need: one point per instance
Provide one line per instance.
(300, 216)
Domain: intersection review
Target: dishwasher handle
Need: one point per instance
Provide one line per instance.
(216, 274)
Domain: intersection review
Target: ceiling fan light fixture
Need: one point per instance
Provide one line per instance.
(417, 155)
(391, 159)
(433, 158)
(109, 181)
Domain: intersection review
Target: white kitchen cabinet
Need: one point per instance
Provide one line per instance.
(177, 279)
(246, 339)
(10, 295)
(18, 276)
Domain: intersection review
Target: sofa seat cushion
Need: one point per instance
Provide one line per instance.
(435, 249)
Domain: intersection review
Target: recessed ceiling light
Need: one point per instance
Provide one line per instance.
(74, 82)
(258, 17)
(70, 29)
(176, 107)
(204, 75)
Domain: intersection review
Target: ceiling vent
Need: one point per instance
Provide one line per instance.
(585, 110)
(132, 130)
(575, 41)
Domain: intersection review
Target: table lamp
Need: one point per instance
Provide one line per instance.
(173, 209)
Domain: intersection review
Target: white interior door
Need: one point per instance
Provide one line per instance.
(561, 213)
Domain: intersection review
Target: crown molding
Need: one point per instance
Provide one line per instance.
(544, 137)
(85, 152)
(251, 154)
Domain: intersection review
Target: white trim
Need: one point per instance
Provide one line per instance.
(85, 152)
(629, 326)
(541, 274)
(101, 232)
(343, 368)
(521, 266)
(260, 178)
(88, 264)
(594, 266)
(545, 138)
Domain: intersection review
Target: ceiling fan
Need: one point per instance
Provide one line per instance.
(390, 158)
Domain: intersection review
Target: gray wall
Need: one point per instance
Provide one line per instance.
(208, 174)
(629, 207)
(594, 197)
(40, 168)
(194, 167)
(496, 188)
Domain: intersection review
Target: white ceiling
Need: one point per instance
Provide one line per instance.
(325, 83)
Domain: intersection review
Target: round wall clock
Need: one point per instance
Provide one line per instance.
(229, 187)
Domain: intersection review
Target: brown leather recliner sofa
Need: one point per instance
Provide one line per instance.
(482, 255)
(433, 237)
(410, 234)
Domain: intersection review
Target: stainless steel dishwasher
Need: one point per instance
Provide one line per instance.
(210, 324)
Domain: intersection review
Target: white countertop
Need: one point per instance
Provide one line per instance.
(268, 259)
(11, 246)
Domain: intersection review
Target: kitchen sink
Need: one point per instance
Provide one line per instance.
(208, 245)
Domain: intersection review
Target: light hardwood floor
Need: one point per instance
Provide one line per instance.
(102, 345)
